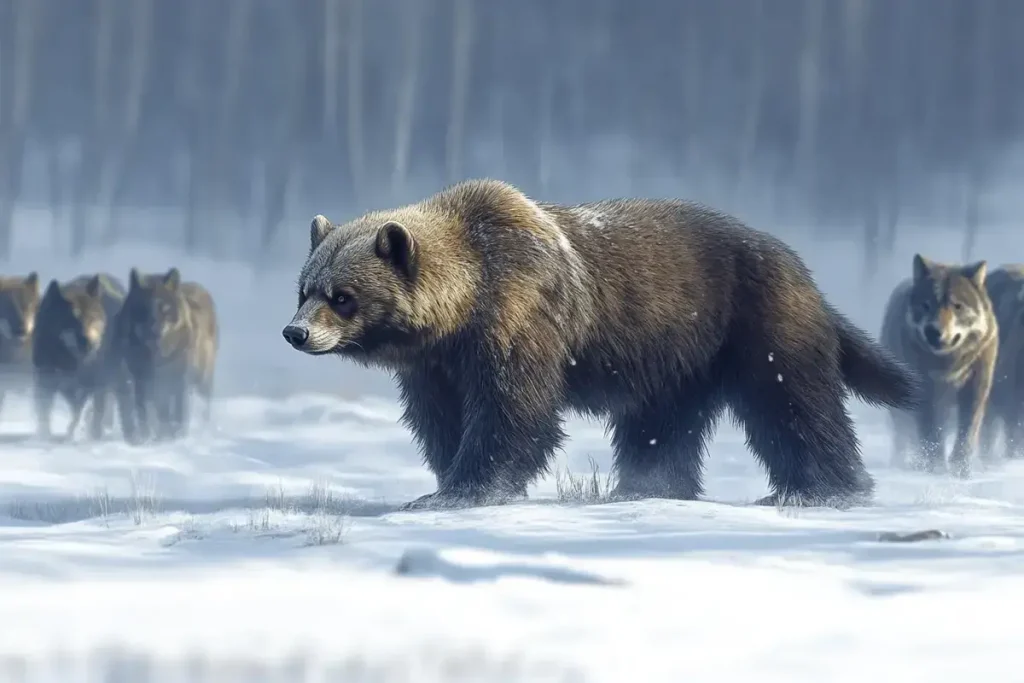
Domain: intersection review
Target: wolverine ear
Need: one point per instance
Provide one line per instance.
(976, 272)
(922, 267)
(134, 281)
(396, 244)
(319, 229)
(93, 286)
(172, 278)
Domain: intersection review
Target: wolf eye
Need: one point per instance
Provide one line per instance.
(958, 306)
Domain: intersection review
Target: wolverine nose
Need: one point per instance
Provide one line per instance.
(295, 335)
(932, 336)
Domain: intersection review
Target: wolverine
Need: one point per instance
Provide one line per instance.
(67, 348)
(496, 314)
(940, 322)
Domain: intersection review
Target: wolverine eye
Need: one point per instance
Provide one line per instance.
(344, 304)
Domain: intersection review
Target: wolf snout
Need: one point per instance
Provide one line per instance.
(296, 335)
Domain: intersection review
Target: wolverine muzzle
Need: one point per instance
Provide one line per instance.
(296, 335)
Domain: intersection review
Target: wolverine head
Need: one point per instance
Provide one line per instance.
(73, 316)
(357, 288)
(153, 309)
(949, 307)
(19, 302)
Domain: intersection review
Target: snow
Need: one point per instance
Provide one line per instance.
(272, 540)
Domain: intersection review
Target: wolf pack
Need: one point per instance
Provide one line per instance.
(143, 351)
(961, 327)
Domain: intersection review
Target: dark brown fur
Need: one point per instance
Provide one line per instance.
(19, 301)
(67, 348)
(167, 338)
(496, 314)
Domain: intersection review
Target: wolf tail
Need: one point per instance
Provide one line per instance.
(870, 371)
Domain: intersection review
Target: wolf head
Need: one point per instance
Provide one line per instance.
(154, 311)
(19, 303)
(73, 316)
(949, 307)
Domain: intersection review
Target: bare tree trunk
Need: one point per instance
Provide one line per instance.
(546, 136)
(331, 70)
(122, 142)
(87, 182)
(224, 152)
(356, 153)
(809, 83)
(755, 96)
(14, 130)
(982, 102)
(413, 33)
(461, 52)
(693, 96)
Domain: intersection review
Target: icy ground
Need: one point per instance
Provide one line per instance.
(274, 537)
(270, 543)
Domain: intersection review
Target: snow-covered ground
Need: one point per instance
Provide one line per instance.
(272, 540)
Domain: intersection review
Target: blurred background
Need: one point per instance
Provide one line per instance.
(215, 130)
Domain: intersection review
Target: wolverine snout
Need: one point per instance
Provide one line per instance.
(296, 335)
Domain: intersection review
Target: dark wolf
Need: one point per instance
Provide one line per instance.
(496, 314)
(167, 337)
(68, 348)
(19, 301)
(1005, 286)
(941, 323)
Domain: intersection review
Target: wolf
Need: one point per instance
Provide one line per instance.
(167, 335)
(68, 348)
(1005, 286)
(19, 301)
(941, 322)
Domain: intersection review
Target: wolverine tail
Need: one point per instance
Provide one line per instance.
(870, 371)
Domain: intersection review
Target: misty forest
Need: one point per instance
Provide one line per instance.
(850, 114)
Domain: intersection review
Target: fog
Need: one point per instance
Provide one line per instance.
(206, 135)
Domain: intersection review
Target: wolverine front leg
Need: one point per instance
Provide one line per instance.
(511, 428)
(433, 413)
(972, 401)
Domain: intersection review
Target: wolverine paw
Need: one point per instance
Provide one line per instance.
(437, 501)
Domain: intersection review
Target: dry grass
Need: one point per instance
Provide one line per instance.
(592, 487)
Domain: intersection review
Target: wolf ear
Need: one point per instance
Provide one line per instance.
(172, 278)
(134, 280)
(92, 288)
(319, 229)
(922, 267)
(976, 272)
(32, 281)
(53, 289)
(396, 245)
